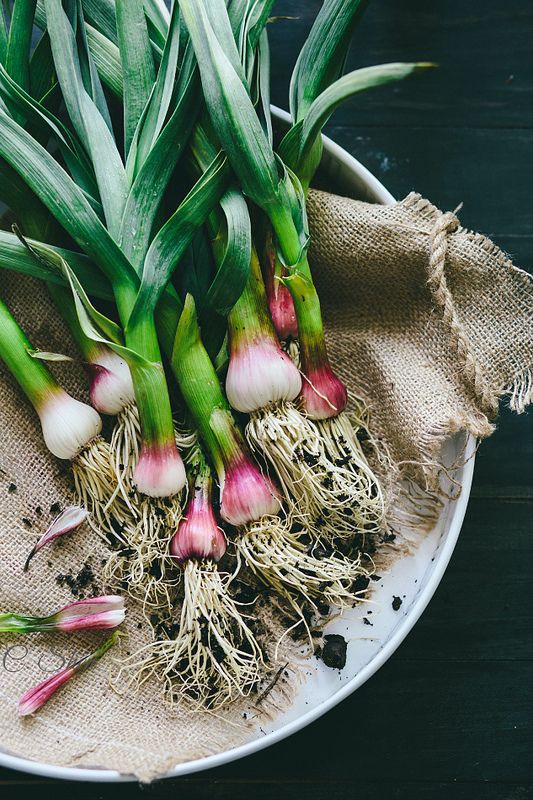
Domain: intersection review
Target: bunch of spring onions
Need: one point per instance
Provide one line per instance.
(148, 193)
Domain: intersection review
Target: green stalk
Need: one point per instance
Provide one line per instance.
(32, 376)
(200, 387)
(197, 379)
(150, 385)
(249, 317)
(313, 353)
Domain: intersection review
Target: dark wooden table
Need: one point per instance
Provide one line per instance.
(451, 714)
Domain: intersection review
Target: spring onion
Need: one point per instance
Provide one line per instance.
(96, 612)
(68, 426)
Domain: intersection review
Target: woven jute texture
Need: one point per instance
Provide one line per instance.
(431, 323)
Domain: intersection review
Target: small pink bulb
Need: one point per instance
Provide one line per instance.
(282, 312)
(198, 535)
(324, 395)
(106, 611)
(246, 494)
(260, 373)
(35, 698)
(159, 471)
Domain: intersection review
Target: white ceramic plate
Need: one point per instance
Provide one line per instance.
(413, 578)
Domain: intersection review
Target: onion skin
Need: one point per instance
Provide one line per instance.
(111, 387)
(259, 374)
(246, 495)
(198, 535)
(159, 471)
(68, 426)
(323, 394)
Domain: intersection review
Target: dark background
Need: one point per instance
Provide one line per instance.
(451, 714)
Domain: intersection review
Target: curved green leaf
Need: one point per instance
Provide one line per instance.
(98, 328)
(32, 112)
(16, 257)
(301, 148)
(86, 118)
(321, 59)
(234, 265)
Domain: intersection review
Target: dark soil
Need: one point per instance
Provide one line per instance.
(334, 651)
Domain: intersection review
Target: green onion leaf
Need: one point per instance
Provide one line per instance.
(138, 72)
(248, 19)
(107, 60)
(150, 183)
(3, 34)
(158, 20)
(261, 86)
(157, 107)
(64, 199)
(92, 321)
(16, 257)
(322, 58)
(101, 14)
(232, 113)
(22, 105)
(234, 266)
(301, 148)
(86, 118)
(42, 70)
(19, 42)
(89, 73)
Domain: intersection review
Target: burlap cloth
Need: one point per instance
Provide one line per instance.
(431, 323)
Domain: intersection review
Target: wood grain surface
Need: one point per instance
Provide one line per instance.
(450, 716)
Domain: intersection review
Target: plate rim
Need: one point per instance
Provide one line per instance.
(446, 548)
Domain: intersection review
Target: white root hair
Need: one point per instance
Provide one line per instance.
(321, 469)
(301, 573)
(213, 657)
(143, 568)
(95, 489)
